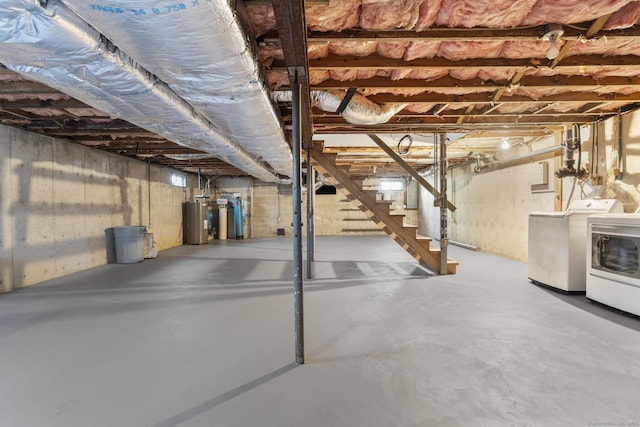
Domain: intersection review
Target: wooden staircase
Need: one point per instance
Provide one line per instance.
(378, 211)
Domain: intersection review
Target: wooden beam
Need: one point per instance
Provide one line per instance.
(593, 29)
(575, 82)
(475, 119)
(292, 32)
(483, 98)
(37, 103)
(375, 61)
(459, 34)
(409, 169)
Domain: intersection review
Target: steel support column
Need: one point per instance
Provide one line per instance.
(297, 218)
(311, 183)
(444, 241)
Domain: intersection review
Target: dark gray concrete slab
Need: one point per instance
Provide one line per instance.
(203, 336)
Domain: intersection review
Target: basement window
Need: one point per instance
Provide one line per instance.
(178, 180)
(391, 185)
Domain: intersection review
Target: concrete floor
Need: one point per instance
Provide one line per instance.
(203, 336)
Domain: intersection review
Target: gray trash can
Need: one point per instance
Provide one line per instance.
(129, 242)
(110, 244)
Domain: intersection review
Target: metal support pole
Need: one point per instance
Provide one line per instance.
(444, 242)
(310, 213)
(297, 221)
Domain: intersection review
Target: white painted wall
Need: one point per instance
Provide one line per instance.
(493, 207)
(57, 198)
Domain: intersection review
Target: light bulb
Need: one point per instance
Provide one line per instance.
(505, 144)
(553, 51)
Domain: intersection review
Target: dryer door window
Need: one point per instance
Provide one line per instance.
(616, 254)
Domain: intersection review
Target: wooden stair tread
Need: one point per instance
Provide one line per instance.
(378, 211)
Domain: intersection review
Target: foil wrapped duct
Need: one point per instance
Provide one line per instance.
(54, 46)
(201, 52)
(358, 111)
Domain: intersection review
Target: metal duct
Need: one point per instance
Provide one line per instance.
(359, 111)
(200, 51)
(54, 46)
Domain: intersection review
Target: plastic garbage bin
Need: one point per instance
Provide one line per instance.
(110, 245)
(129, 242)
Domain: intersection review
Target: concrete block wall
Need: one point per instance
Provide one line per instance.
(272, 209)
(57, 199)
(492, 208)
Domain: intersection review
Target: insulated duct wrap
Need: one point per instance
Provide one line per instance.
(359, 110)
(55, 47)
(200, 51)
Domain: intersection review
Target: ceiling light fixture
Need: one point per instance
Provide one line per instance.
(553, 35)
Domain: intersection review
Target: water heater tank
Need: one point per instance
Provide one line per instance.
(195, 224)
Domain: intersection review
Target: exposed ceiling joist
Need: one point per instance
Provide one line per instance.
(463, 34)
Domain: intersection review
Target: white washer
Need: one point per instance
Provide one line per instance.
(613, 261)
(557, 241)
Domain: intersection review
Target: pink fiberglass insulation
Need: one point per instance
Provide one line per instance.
(318, 51)
(460, 90)
(337, 16)
(539, 92)
(623, 90)
(316, 77)
(518, 107)
(496, 74)
(419, 108)
(600, 46)
(407, 91)
(597, 72)
(276, 79)
(389, 14)
(261, 18)
(564, 107)
(464, 73)
(394, 50)
(426, 75)
(421, 49)
(632, 48)
(457, 51)
(270, 53)
(525, 49)
(571, 11)
(399, 91)
(483, 13)
(601, 72)
(353, 48)
(349, 75)
(550, 72)
(624, 18)
(428, 11)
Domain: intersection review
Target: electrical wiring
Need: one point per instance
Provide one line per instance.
(404, 150)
